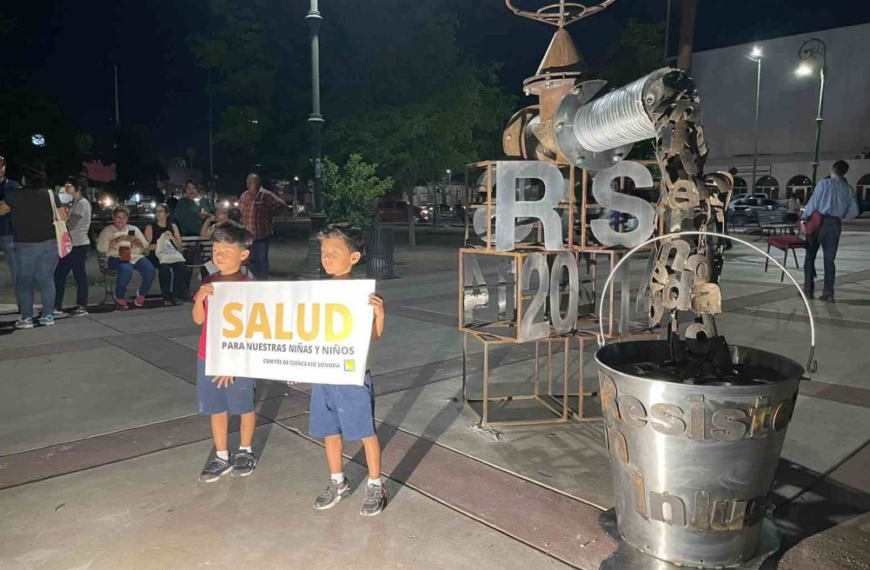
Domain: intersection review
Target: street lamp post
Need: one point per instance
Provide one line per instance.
(756, 57)
(315, 119)
(809, 50)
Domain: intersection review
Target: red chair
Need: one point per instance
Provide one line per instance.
(786, 243)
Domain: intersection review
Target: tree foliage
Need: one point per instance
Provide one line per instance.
(638, 51)
(396, 87)
(29, 112)
(351, 192)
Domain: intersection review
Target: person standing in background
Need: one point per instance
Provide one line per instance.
(79, 224)
(794, 208)
(834, 199)
(192, 210)
(7, 239)
(36, 253)
(259, 206)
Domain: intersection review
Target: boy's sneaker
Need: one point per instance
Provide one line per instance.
(24, 324)
(58, 312)
(121, 304)
(215, 469)
(47, 320)
(375, 501)
(79, 311)
(140, 301)
(333, 493)
(244, 463)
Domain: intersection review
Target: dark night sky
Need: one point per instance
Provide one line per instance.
(68, 48)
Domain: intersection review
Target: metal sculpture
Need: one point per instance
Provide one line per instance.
(694, 426)
(575, 123)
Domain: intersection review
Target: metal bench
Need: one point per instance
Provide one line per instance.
(190, 242)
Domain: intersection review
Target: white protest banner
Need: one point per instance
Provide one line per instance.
(302, 331)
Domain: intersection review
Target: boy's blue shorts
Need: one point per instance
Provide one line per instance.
(236, 398)
(342, 410)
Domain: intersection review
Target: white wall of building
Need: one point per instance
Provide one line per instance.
(726, 82)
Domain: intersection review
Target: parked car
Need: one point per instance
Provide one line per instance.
(397, 211)
(743, 196)
(748, 208)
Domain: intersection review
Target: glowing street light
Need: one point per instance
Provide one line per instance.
(756, 52)
(803, 70)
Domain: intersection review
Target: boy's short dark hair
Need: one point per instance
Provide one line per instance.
(840, 168)
(121, 209)
(232, 233)
(351, 237)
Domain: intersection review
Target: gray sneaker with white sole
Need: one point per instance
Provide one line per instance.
(375, 501)
(333, 493)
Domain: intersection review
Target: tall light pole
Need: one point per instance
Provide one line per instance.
(756, 57)
(312, 269)
(315, 119)
(117, 103)
(210, 131)
(809, 50)
(667, 29)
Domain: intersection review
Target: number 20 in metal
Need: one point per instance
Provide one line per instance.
(546, 314)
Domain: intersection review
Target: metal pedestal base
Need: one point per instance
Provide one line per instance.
(627, 556)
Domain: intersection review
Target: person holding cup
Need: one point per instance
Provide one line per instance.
(125, 247)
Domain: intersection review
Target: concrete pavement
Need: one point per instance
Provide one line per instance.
(100, 446)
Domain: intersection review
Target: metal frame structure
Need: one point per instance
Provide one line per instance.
(557, 402)
(559, 410)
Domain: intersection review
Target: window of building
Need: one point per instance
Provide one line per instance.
(740, 185)
(799, 186)
(768, 185)
(862, 188)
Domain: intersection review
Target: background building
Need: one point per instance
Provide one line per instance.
(726, 79)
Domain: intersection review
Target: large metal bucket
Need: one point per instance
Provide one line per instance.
(692, 465)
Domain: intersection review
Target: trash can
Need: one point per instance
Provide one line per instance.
(693, 455)
(380, 243)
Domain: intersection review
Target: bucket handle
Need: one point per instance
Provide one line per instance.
(811, 364)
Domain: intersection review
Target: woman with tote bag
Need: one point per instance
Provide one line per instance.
(165, 255)
(37, 223)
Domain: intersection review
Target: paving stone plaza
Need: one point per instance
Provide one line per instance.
(100, 443)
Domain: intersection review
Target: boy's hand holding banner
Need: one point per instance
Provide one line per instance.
(303, 331)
